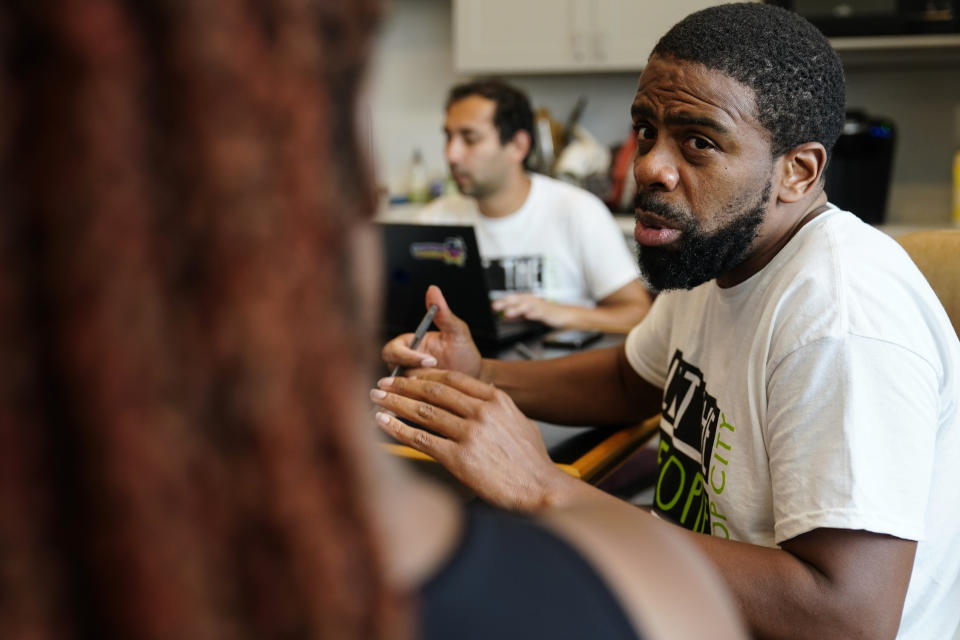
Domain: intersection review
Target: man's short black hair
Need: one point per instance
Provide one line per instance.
(512, 113)
(795, 73)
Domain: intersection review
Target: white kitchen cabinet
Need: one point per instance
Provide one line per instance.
(629, 29)
(537, 36)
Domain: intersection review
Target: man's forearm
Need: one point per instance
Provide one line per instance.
(583, 388)
(614, 318)
(857, 593)
(618, 312)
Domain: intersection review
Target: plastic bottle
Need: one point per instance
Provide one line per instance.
(419, 184)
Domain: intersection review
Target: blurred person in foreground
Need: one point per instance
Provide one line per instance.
(552, 251)
(185, 447)
(806, 375)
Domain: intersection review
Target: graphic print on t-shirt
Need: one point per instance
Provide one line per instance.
(514, 274)
(692, 451)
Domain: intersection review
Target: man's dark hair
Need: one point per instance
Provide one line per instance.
(795, 73)
(512, 112)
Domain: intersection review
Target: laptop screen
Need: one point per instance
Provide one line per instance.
(416, 256)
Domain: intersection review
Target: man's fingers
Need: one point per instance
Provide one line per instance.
(397, 352)
(462, 382)
(515, 312)
(427, 403)
(505, 302)
(518, 305)
(445, 320)
(419, 439)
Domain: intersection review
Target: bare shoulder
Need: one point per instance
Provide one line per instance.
(665, 585)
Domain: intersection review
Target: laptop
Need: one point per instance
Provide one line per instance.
(416, 256)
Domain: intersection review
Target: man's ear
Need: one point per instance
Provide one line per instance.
(521, 143)
(801, 170)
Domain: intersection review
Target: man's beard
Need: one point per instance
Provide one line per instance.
(698, 256)
(467, 190)
(473, 189)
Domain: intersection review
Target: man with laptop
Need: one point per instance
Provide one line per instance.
(552, 251)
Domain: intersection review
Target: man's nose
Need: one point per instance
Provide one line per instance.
(453, 151)
(656, 169)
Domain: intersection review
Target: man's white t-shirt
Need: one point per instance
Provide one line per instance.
(561, 244)
(821, 392)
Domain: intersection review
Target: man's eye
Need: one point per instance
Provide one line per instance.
(644, 131)
(700, 144)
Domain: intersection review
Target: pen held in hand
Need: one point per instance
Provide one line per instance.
(419, 333)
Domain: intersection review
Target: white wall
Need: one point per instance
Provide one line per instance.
(413, 70)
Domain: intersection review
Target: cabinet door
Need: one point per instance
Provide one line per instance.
(491, 36)
(629, 29)
(503, 36)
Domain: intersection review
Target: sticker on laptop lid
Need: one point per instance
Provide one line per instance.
(452, 251)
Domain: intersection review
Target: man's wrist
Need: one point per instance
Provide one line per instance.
(557, 489)
(487, 371)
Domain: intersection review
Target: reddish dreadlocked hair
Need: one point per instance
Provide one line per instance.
(178, 377)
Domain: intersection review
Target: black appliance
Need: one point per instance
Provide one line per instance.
(837, 18)
(858, 176)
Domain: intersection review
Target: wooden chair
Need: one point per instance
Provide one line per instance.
(937, 255)
(607, 456)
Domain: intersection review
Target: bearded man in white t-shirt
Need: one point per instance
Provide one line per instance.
(807, 377)
(552, 251)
